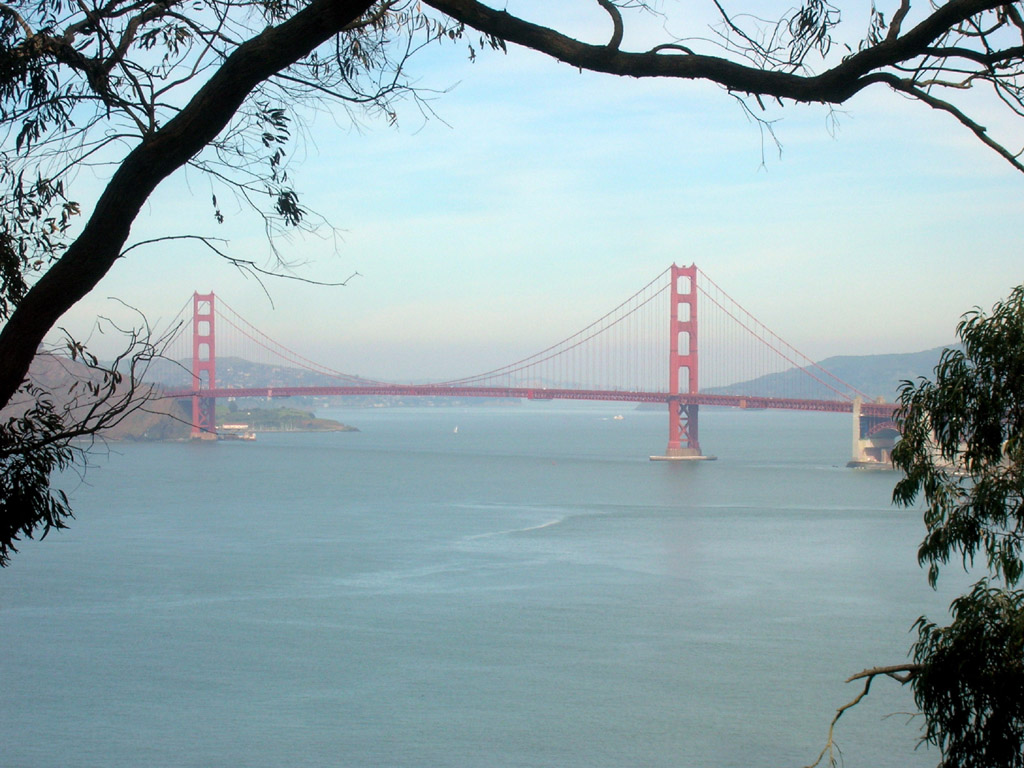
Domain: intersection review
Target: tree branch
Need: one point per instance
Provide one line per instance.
(835, 85)
(897, 21)
(904, 673)
(868, 676)
(5, 8)
(980, 131)
(617, 28)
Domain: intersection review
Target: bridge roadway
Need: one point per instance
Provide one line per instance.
(538, 393)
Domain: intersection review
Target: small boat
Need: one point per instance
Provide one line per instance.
(618, 418)
(456, 430)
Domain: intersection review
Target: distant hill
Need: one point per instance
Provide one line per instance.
(874, 375)
(153, 419)
(236, 372)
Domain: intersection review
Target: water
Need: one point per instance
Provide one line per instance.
(528, 591)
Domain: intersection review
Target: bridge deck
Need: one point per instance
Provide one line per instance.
(430, 390)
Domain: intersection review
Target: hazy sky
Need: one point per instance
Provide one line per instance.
(540, 197)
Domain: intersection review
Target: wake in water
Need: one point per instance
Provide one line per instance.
(561, 516)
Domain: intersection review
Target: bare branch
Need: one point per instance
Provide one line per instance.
(980, 131)
(897, 21)
(868, 675)
(836, 85)
(244, 265)
(616, 15)
(903, 673)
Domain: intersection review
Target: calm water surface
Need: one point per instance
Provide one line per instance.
(527, 591)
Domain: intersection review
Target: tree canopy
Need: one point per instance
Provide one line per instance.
(962, 446)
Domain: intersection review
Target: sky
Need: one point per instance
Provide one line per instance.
(539, 197)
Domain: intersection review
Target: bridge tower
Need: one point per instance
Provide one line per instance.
(683, 439)
(204, 367)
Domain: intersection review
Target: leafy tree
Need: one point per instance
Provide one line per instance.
(962, 452)
(963, 445)
(50, 429)
(970, 679)
(144, 88)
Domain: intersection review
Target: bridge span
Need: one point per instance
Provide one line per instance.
(543, 393)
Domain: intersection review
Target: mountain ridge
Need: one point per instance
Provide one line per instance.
(876, 376)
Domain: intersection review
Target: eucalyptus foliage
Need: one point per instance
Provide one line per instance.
(970, 685)
(962, 452)
(49, 429)
(32, 448)
(962, 445)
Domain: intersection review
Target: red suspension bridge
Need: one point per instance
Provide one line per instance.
(629, 354)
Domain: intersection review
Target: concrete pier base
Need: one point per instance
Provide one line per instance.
(683, 454)
(878, 466)
(874, 437)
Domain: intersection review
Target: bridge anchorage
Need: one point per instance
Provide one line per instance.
(625, 347)
(874, 436)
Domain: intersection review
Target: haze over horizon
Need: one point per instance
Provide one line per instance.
(539, 197)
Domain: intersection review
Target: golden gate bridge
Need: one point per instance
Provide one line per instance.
(645, 350)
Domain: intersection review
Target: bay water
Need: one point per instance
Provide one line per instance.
(469, 586)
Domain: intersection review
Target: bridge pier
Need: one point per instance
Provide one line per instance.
(683, 433)
(874, 437)
(204, 367)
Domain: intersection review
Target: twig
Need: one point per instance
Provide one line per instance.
(904, 673)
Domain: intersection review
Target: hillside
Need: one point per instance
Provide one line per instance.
(236, 372)
(157, 418)
(153, 419)
(874, 375)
